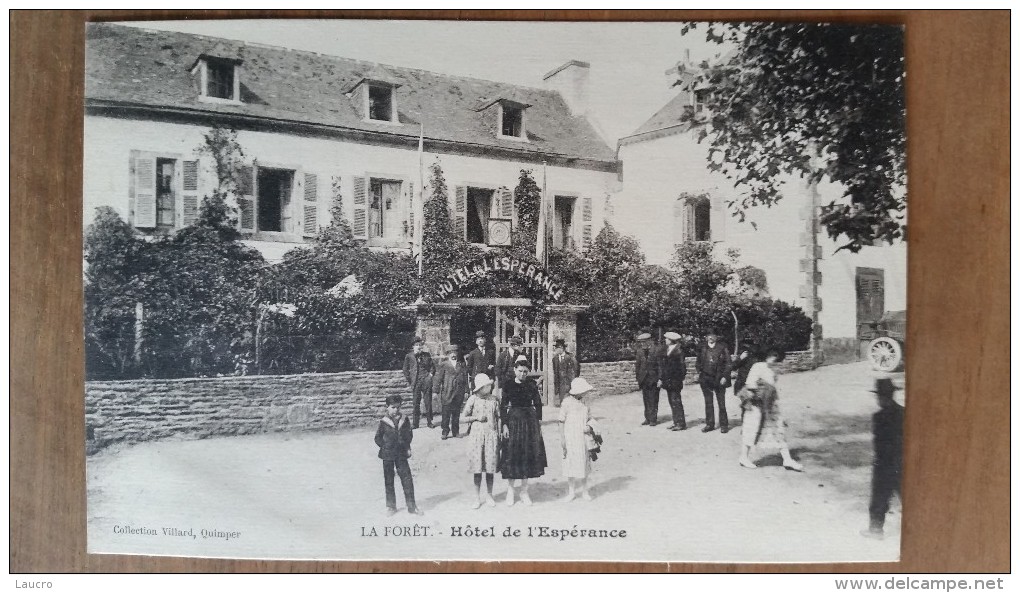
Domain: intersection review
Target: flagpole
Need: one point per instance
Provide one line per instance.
(420, 205)
(541, 236)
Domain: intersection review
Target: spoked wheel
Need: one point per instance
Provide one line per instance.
(885, 354)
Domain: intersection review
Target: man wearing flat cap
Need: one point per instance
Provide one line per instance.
(713, 366)
(674, 369)
(505, 361)
(646, 367)
(565, 370)
(481, 360)
(418, 367)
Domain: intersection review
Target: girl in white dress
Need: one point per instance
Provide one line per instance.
(481, 415)
(576, 422)
(763, 424)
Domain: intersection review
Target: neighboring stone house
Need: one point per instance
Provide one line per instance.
(670, 196)
(306, 120)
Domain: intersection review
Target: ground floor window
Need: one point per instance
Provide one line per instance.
(165, 194)
(479, 209)
(384, 220)
(275, 187)
(563, 222)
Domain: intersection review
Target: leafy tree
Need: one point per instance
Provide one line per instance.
(527, 200)
(337, 234)
(215, 212)
(814, 100)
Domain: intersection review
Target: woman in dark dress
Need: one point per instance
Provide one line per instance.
(523, 454)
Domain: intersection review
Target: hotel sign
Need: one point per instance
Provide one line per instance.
(536, 276)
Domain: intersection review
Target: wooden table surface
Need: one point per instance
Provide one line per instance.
(956, 484)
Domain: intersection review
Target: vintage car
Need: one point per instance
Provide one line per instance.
(886, 340)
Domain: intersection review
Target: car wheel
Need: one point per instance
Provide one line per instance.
(885, 354)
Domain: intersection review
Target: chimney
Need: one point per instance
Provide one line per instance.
(571, 81)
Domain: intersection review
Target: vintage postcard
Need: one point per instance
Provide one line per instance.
(424, 290)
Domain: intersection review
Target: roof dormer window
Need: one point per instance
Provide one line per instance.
(380, 103)
(511, 120)
(218, 78)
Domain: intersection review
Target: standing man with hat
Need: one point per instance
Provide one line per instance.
(674, 370)
(451, 384)
(713, 366)
(887, 431)
(646, 367)
(565, 370)
(481, 360)
(505, 361)
(418, 368)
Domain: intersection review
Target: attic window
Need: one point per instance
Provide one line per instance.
(380, 103)
(701, 96)
(512, 121)
(219, 79)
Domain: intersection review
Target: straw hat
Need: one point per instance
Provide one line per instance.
(482, 380)
(580, 386)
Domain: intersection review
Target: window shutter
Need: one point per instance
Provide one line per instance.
(586, 223)
(678, 221)
(310, 224)
(360, 221)
(144, 177)
(506, 203)
(189, 193)
(246, 199)
(460, 211)
(717, 217)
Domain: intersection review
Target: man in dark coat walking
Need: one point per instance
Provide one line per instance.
(418, 368)
(505, 361)
(565, 370)
(646, 367)
(887, 431)
(713, 366)
(481, 360)
(673, 372)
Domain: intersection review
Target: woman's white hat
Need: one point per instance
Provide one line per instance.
(482, 380)
(579, 386)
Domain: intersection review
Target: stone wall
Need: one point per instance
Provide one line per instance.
(611, 378)
(150, 409)
(143, 410)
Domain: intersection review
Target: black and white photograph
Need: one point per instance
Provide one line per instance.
(495, 291)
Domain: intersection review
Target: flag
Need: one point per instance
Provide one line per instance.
(419, 205)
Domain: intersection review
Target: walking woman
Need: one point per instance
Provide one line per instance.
(763, 423)
(523, 456)
(481, 415)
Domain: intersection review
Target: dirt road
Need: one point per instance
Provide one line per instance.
(678, 496)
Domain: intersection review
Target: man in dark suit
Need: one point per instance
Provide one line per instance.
(418, 368)
(505, 361)
(713, 366)
(481, 360)
(674, 369)
(887, 431)
(646, 367)
(565, 370)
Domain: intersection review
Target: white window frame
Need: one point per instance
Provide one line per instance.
(367, 103)
(575, 213)
(468, 186)
(524, 124)
(391, 242)
(203, 87)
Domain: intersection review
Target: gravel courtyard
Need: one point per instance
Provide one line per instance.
(679, 496)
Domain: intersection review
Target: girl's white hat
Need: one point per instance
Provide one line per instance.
(482, 380)
(580, 385)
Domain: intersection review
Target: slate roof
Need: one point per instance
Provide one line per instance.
(670, 115)
(128, 65)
